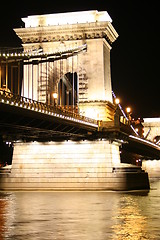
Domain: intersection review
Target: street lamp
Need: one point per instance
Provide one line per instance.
(128, 110)
(55, 95)
(117, 101)
(117, 113)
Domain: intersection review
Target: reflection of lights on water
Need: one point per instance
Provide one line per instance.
(79, 215)
(130, 222)
(7, 215)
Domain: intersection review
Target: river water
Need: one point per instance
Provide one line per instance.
(80, 215)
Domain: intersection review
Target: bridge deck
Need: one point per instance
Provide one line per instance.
(28, 120)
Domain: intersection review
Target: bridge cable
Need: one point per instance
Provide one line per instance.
(124, 115)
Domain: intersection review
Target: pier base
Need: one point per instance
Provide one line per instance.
(71, 165)
(153, 169)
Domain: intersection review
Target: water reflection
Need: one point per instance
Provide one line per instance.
(3, 209)
(131, 223)
(79, 215)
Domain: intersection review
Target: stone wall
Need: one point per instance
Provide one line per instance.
(153, 169)
(68, 165)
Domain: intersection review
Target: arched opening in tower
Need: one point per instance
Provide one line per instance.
(68, 90)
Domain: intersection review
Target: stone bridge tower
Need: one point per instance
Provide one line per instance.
(56, 32)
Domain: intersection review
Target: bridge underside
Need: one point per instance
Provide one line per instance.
(28, 125)
(21, 124)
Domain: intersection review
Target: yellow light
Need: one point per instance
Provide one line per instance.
(55, 95)
(117, 101)
(128, 109)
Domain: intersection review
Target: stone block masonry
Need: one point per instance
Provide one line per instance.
(70, 165)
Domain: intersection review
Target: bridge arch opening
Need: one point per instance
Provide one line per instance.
(68, 90)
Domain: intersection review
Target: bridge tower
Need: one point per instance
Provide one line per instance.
(89, 72)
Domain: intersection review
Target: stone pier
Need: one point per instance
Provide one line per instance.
(82, 165)
(153, 169)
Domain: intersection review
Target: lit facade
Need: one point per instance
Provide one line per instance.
(83, 80)
(56, 32)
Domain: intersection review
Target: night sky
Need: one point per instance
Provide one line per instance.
(134, 56)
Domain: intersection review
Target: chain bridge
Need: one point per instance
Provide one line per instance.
(57, 108)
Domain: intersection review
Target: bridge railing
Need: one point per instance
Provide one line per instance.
(20, 101)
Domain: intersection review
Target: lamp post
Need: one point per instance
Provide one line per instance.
(117, 101)
(117, 113)
(55, 95)
(128, 110)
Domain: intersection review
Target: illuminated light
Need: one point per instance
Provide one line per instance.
(128, 109)
(66, 18)
(117, 101)
(55, 95)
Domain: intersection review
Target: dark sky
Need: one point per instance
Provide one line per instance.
(134, 56)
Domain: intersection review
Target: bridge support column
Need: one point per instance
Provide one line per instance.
(71, 165)
(98, 110)
(153, 169)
